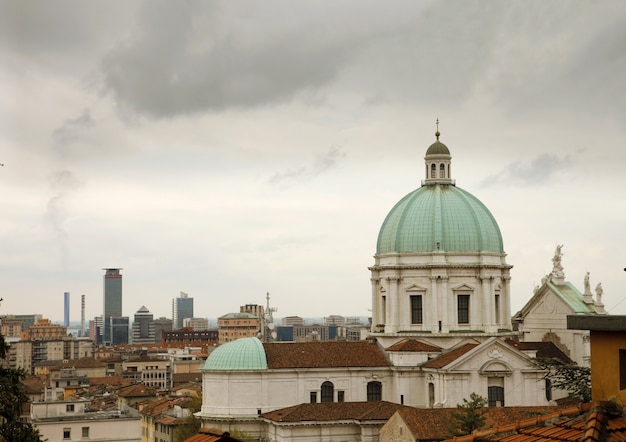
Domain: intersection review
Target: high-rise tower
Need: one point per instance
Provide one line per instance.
(112, 300)
(182, 307)
(66, 309)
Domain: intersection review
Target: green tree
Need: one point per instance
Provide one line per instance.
(192, 423)
(12, 397)
(469, 415)
(573, 378)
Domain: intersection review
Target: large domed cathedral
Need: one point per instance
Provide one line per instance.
(440, 272)
(440, 329)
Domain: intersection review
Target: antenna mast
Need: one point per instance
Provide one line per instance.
(269, 334)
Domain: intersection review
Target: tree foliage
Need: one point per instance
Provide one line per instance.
(192, 423)
(573, 378)
(469, 415)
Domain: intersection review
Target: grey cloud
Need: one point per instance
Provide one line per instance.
(539, 171)
(197, 57)
(321, 164)
(62, 33)
(555, 56)
(69, 133)
(193, 57)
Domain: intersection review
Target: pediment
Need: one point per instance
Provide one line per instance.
(550, 304)
(463, 287)
(492, 356)
(415, 288)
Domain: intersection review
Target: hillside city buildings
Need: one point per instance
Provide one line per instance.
(441, 329)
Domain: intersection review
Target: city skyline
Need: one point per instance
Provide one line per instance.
(222, 151)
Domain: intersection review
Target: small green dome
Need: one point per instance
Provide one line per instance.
(438, 148)
(439, 217)
(241, 354)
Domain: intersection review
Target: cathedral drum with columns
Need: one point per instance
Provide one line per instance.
(440, 270)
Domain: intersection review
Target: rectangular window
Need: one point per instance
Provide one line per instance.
(416, 309)
(85, 431)
(67, 433)
(497, 308)
(495, 392)
(313, 397)
(463, 309)
(69, 408)
(340, 396)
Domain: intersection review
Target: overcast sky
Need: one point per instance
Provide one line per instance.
(226, 149)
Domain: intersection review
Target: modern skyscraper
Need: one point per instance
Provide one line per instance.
(120, 330)
(182, 307)
(143, 327)
(161, 325)
(66, 309)
(112, 300)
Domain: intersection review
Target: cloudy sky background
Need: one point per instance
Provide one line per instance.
(226, 149)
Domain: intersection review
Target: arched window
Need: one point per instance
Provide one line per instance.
(433, 170)
(442, 170)
(328, 390)
(374, 391)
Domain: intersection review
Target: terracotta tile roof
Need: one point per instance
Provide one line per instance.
(324, 354)
(137, 390)
(169, 420)
(33, 385)
(434, 423)
(544, 349)
(591, 422)
(160, 406)
(334, 411)
(211, 435)
(449, 357)
(114, 381)
(80, 363)
(413, 345)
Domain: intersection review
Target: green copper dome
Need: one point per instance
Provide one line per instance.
(438, 148)
(241, 354)
(439, 217)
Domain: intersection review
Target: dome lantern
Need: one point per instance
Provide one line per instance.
(438, 163)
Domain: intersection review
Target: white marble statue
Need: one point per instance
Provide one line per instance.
(599, 293)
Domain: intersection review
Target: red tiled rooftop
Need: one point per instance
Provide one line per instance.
(544, 349)
(334, 411)
(211, 435)
(413, 345)
(434, 423)
(137, 390)
(604, 422)
(324, 354)
(449, 357)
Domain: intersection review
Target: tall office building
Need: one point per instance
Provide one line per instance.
(182, 307)
(143, 327)
(112, 301)
(120, 330)
(66, 309)
(161, 326)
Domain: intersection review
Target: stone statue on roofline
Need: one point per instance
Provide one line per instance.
(587, 296)
(557, 276)
(599, 293)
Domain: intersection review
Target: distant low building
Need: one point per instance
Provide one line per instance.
(234, 326)
(292, 320)
(197, 324)
(70, 420)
